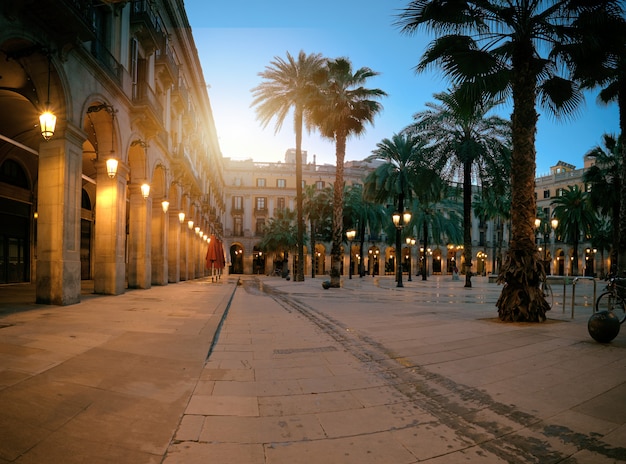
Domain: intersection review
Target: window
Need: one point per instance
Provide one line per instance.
(238, 226)
(281, 183)
(260, 203)
(319, 185)
(237, 203)
(560, 192)
(546, 193)
(280, 202)
(260, 182)
(260, 226)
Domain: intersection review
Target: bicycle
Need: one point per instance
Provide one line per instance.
(612, 299)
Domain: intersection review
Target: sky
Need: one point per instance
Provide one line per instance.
(236, 40)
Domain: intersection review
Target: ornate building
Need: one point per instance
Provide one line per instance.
(119, 187)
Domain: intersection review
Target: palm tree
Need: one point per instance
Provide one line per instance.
(288, 86)
(602, 62)
(468, 145)
(437, 215)
(404, 157)
(494, 203)
(576, 216)
(364, 215)
(280, 234)
(317, 208)
(342, 109)
(606, 181)
(506, 47)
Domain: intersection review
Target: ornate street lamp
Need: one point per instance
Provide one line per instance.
(400, 219)
(350, 234)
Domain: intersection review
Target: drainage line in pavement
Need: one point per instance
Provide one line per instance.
(221, 323)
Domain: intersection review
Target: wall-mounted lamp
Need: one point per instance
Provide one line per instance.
(145, 190)
(47, 119)
(181, 217)
(112, 167)
(190, 224)
(165, 205)
(197, 229)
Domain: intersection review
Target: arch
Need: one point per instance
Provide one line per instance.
(560, 262)
(258, 260)
(236, 258)
(320, 259)
(437, 261)
(12, 172)
(390, 260)
(373, 258)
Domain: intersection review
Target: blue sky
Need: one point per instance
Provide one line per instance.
(237, 39)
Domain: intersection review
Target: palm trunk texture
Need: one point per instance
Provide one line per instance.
(521, 298)
(336, 254)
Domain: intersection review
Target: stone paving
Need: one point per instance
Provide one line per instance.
(368, 373)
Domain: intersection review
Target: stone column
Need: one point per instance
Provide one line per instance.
(139, 239)
(110, 231)
(160, 225)
(174, 247)
(58, 226)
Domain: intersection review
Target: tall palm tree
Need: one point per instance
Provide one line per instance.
(602, 62)
(438, 216)
(404, 157)
(343, 108)
(506, 47)
(364, 215)
(494, 204)
(468, 145)
(317, 208)
(288, 86)
(576, 217)
(605, 178)
(280, 234)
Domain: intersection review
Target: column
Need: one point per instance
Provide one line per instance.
(139, 239)
(174, 247)
(159, 229)
(58, 226)
(110, 231)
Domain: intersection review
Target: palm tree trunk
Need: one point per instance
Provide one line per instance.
(336, 254)
(299, 272)
(467, 221)
(521, 298)
(621, 103)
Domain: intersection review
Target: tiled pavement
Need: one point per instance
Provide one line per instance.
(368, 373)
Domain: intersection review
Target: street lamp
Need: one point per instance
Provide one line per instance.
(410, 242)
(400, 219)
(350, 234)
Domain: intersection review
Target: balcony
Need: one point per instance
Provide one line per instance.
(147, 108)
(166, 66)
(147, 25)
(180, 97)
(64, 20)
(108, 62)
(260, 211)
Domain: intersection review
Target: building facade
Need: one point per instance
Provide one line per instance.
(120, 188)
(558, 255)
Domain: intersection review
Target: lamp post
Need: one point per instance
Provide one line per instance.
(409, 243)
(350, 234)
(400, 219)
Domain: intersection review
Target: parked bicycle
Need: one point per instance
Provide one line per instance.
(613, 298)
